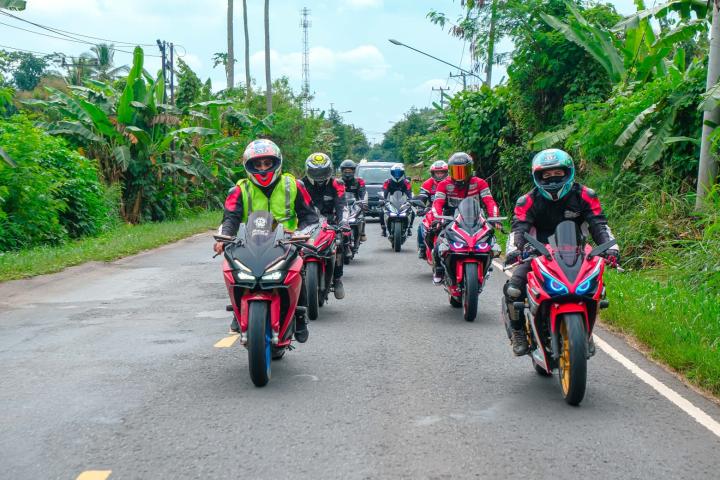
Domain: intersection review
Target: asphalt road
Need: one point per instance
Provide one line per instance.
(113, 367)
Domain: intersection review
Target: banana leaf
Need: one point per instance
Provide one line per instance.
(125, 112)
(4, 155)
(122, 156)
(142, 136)
(13, 4)
(638, 148)
(549, 139)
(73, 128)
(634, 126)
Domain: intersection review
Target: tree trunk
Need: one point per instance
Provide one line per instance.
(230, 67)
(268, 81)
(708, 169)
(248, 88)
(491, 44)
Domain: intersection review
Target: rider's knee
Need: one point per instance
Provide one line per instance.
(512, 292)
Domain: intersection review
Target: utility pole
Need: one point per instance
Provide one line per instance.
(268, 79)
(305, 25)
(230, 66)
(491, 44)
(442, 94)
(464, 79)
(708, 168)
(162, 45)
(172, 74)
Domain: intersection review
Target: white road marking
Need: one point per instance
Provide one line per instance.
(678, 400)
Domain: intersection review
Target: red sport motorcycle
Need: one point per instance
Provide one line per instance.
(467, 246)
(319, 265)
(565, 290)
(263, 276)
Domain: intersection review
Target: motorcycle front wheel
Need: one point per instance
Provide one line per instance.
(259, 343)
(397, 236)
(573, 358)
(470, 292)
(311, 289)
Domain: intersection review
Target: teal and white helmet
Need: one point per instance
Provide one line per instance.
(556, 187)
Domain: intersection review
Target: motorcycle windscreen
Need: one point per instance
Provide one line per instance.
(470, 215)
(566, 243)
(261, 248)
(398, 199)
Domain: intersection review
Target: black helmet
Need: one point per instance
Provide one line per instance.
(348, 165)
(460, 167)
(318, 168)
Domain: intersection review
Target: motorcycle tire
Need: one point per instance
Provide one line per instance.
(397, 236)
(259, 343)
(573, 358)
(470, 292)
(312, 291)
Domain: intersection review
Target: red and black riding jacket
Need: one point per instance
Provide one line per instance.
(356, 186)
(328, 198)
(449, 195)
(391, 186)
(533, 211)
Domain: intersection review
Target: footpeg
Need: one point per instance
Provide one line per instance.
(228, 308)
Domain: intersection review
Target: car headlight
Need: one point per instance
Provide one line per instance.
(273, 276)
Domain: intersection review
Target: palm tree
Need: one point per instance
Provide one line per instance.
(80, 68)
(268, 82)
(104, 62)
(247, 51)
(230, 65)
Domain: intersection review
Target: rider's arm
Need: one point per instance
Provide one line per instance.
(303, 207)
(384, 192)
(338, 190)
(523, 220)
(487, 198)
(425, 191)
(233, 212)
(362, 191)
(593, 214)
(439, 203)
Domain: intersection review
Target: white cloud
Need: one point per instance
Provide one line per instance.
(364, 3)
(364, 62)
(435, 83)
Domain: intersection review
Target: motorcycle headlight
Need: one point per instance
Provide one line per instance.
(391, 208)
(273, 276)
(458, 245)
(245, 276)
(553, 286)
(590, 284)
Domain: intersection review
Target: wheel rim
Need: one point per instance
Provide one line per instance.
(565, 359)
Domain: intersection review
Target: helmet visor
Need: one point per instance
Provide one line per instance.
(397, 174)
(460, 173)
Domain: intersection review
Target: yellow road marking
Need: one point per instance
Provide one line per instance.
(227, 341)
(94, 475)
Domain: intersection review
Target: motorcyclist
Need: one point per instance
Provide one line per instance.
(327, 195)
(290, 203)
(460, 184)
(396, 183)
(356, 186)
(555, 198)
(438, 173)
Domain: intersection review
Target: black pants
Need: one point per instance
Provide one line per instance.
(515, 291)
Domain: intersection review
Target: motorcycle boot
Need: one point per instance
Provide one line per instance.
(339, 289)
(234, 327)
(421, 253)
(301, 328)
(519, 336)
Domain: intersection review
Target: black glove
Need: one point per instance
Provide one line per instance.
(512, 257)
(529, 251)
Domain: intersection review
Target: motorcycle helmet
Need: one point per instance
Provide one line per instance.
(263, 162)
(460, 166)
(347, 170)
(439, 170)
(553, 187)
(318, 168)
(397, 173)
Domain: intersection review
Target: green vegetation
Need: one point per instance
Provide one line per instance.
(84, 153)
(118, 242)
(625, 96)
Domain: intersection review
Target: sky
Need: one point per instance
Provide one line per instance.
(353, 66)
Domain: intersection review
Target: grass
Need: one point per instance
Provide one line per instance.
(119, 242)
(678, 324)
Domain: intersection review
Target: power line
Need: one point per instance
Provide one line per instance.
(33, 51)
(64, 37)
(60, 31)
